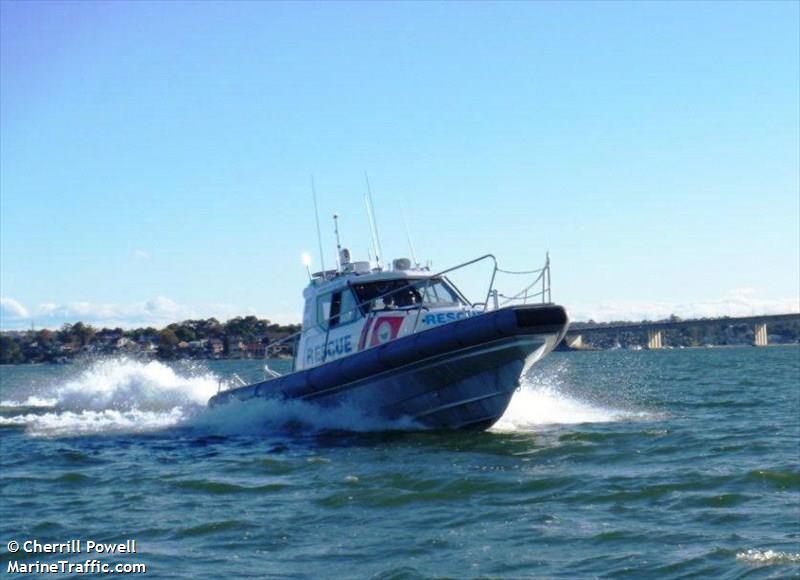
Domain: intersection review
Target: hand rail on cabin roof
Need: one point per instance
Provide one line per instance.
(412, 284)
(543, 275)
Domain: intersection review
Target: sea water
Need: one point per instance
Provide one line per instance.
(662, 464)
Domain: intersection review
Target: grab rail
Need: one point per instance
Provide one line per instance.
(524, 295)
(236, 377)
(412, 284)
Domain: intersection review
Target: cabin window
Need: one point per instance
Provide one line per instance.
(323, 308)
(337, 308)
(438, 293)
(387, 294)
(390, 294)
(348, 309)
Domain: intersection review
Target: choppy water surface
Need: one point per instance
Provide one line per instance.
(648, 464)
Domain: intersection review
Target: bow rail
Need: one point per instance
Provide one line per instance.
(537, 290)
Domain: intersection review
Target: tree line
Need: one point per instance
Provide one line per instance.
(201, 338)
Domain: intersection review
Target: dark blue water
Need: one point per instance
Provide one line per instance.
(665, 464)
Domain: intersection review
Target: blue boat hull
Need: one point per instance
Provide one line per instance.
(460, 375)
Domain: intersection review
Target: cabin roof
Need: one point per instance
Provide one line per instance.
(318, 286)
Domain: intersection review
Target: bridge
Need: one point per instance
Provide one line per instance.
(655, 330)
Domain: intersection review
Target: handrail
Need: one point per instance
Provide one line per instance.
(542, 273)
(413, 284)
(520, 271)
(524, 295)
(235, 376)
(271, 373)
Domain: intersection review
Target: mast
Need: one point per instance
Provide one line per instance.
(319, 234)
(376, 240)
(410, 243)
(338, 244)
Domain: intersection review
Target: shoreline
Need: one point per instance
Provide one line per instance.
(79, 359)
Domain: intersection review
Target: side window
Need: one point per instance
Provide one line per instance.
(348, 307)
(323, 309)
(336, 308)
(342, 307)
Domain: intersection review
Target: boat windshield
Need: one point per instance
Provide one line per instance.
(439, 293)
(392, 294)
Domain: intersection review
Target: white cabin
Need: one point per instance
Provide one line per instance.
(357, 307)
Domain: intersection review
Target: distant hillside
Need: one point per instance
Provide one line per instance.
(241, 337)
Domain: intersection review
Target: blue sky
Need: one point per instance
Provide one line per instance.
(155, 157)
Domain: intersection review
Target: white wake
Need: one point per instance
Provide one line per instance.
(123, 395)
(113, 395)
(542, 402)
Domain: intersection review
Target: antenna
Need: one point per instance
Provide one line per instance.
(372, 234)
(338, 245)
(410, 243)
(306, 257)
(319, 235)
(376, 240)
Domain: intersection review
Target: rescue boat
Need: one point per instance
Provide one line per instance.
(404, 342)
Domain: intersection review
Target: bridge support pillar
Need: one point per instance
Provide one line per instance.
(760, 337)
(575, 341)
(654, 339)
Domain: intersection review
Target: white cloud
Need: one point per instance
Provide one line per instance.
(141, 254)
(160, 307)
(158, 312)
(12, 310)
(738, 302)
